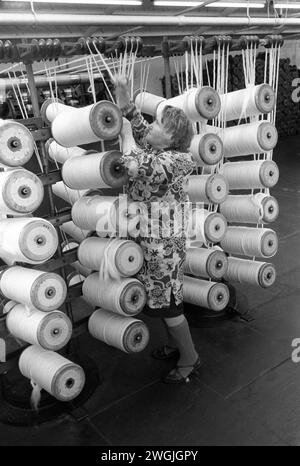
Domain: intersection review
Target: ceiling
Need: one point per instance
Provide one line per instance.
(150, 35)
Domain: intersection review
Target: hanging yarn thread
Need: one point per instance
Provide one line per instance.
(126, 296)
(51, 330)
(253, 242)
(52, 372)
(21, 192)
(207, 294)
(252, 208)
(206, 263)
(128, 334)
(250, 272)
(45, 291)
(30, 240)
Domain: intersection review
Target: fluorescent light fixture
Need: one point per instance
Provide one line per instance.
(176, 3)
(289, 5)
(86, 2)
(236, 5)
(214, 5)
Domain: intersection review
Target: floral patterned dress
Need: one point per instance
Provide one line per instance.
(158, 180)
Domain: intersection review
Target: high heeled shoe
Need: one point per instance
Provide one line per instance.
(175, 376)
(163, 353)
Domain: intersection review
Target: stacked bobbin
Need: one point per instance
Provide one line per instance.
(34, 297)
(105, 265)
(115, 290)
(252, 205)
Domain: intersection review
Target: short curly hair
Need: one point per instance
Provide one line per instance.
(179, 126)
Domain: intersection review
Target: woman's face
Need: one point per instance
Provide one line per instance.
(157, 135)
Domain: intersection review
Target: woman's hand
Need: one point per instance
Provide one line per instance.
(121, 81)
(121, 84)
(128, 142)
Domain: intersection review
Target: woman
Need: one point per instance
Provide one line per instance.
(158, 171)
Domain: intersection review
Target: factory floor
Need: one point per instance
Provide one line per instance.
(247, 391)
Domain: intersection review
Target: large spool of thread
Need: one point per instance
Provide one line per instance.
(252, 138)
(206, 149)
(30, 240)
(80, 269)
(148, 102)
(250, 272)
(95, 170)
(251, 175)
(50, 330)
(35, 289)
(207, 226)
(60, 154)
(202, 103)
(21, 192)
(74, 231)
(53, 107)
(210, 295)
(254, 242)
(88, 211)
(206, 263)
(252, 208)
(121, 257)
(16, 143)
(199, 104)
(100, 121)
(49, 370)
(67, 194)
(126, 296)
(127, 334)
(251, 101)
(207, 188)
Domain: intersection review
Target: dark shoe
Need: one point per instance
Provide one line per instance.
(165, 352)
(175, 376)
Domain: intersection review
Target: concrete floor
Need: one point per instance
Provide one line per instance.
(247, 392)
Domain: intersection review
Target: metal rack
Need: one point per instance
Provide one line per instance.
(52, 49)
